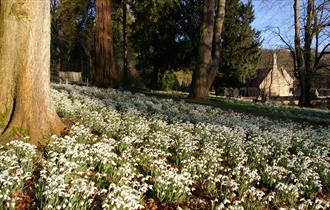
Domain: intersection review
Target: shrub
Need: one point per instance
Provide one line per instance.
(169, 81)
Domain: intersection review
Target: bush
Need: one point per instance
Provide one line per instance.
(169, 81)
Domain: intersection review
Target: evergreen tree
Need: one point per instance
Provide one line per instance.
(73, 35)
(105, 73)
(72, 40)
(240, 45)
(164, 36)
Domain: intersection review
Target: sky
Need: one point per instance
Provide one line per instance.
(274, 15)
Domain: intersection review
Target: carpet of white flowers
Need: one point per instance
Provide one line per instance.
(130, 151)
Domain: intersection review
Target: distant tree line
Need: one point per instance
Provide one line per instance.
(155, 37)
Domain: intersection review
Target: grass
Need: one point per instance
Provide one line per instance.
(279, 112)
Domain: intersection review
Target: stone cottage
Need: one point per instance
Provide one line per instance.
(270, 82)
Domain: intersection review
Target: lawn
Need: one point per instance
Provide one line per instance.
(311, 115)
(132, 151)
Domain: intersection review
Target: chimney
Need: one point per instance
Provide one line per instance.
(274, 61)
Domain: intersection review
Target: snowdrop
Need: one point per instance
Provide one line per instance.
(129, 147)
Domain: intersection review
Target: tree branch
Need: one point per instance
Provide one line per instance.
(323, 52)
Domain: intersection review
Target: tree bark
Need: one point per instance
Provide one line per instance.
(304, 62)
(126, 80)
(210, 40)
(298, 53)
(26, 107)
(305, 65)
(299, 58)
(305, 92)
(220, 17)
(105, 73)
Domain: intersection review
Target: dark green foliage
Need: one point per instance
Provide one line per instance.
(240, 50)
(73, 35)
(164, 36)
(117, 30)
(72, 41)
(169, 81)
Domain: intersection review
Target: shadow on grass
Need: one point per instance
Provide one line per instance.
(301, 115)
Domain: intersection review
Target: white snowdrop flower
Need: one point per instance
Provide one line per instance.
(220, 206)
(49, 206)
(231, 150)
(226, 201)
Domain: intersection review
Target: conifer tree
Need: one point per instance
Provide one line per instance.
(105, 73)
(240, 48)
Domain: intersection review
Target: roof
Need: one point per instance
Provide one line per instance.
(262, 74)
(259, 77)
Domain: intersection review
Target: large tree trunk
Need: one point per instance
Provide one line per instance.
(220, 17)
(304, 63)
(126, 80)
(305, 93)
(105, 72)
(298, 53)
(26, 107)
(210, 40)
(303, 66)
(199, 87)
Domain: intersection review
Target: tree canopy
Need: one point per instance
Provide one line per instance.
(240, 46)
(165, 36)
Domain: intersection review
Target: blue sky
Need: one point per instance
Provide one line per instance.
(274, 15)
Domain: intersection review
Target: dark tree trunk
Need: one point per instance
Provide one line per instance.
(208, 64)
(303, 65)
(306, 90)
(57, 66)
(220, 17)
(298, 53)
(105, 73)
(126, 79)
(155, 83)
(26, 107)
(305, 87)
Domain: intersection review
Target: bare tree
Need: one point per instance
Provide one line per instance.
(26, 107)
(209, 48)
(306, 53)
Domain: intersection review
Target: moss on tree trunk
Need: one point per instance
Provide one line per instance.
(26, 107)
